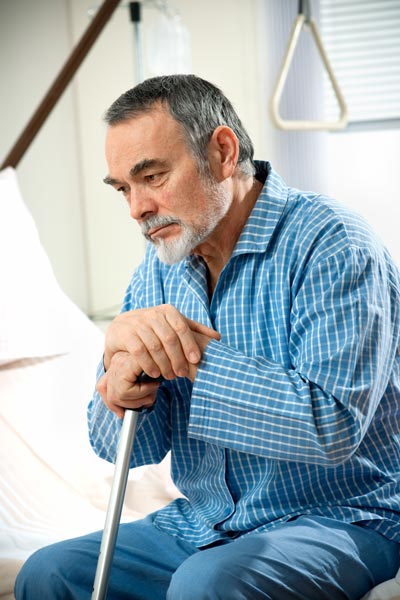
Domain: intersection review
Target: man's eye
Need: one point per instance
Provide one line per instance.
(155, 178)
(122, 189)
(151, 178)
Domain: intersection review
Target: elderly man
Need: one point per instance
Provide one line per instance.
(273, 317)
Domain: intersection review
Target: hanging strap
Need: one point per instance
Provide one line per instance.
(304, 18)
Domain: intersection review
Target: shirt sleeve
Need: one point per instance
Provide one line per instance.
(344, 328)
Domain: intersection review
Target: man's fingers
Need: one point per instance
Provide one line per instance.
(203, 329)
(166, 337)
(160, 339)
(185, 329)
(120, 389)
(163, 345)
(134, 398)
(101, 386)
(189, 349)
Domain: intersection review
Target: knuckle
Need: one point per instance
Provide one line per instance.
(170, 312)
(184, 333)
(118, 360)
(170, 338)
(154, 346)
(168, 307)
(161, 309)
(136, 351)
(181, 326)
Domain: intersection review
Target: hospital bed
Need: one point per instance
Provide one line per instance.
(52, 486)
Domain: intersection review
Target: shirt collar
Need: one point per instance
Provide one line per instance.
(263, 219)
(266, 213)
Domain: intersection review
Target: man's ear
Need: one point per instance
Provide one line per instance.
(223, 152)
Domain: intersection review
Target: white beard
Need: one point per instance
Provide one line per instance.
(174, 250)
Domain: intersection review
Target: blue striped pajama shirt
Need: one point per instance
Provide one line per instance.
(297, 409)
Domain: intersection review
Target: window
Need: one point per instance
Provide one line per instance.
(362, 41)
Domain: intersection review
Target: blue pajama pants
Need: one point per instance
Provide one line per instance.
(309, 558)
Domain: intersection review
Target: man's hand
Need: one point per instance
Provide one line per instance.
(119, 388)
(160, 339)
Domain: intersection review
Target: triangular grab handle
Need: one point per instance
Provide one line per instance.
(293, 125)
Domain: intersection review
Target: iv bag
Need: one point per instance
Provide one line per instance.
(168, 46)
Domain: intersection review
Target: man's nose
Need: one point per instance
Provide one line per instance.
(140, 205)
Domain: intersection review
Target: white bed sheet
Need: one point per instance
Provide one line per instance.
(52, 485)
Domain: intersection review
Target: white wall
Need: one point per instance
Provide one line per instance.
(34, 42)
(93, 244)
(364, 173)
(223, 45)
(238, 44)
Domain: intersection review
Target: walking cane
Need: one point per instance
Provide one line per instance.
(116, 500)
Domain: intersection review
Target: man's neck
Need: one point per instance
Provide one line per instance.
(217, 249)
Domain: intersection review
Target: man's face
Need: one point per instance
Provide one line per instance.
(149, 162)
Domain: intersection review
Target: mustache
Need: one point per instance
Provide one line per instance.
(158, 221)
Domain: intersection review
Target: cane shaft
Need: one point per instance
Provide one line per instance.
(115, 504)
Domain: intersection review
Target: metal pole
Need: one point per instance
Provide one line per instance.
(115, 504)
(117, 495)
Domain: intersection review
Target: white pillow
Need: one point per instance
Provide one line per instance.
(45, 401)
(33, 314)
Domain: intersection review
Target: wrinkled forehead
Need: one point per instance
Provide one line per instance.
(154, 133)
(152, 137)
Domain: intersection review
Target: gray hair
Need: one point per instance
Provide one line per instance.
(199, 106)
